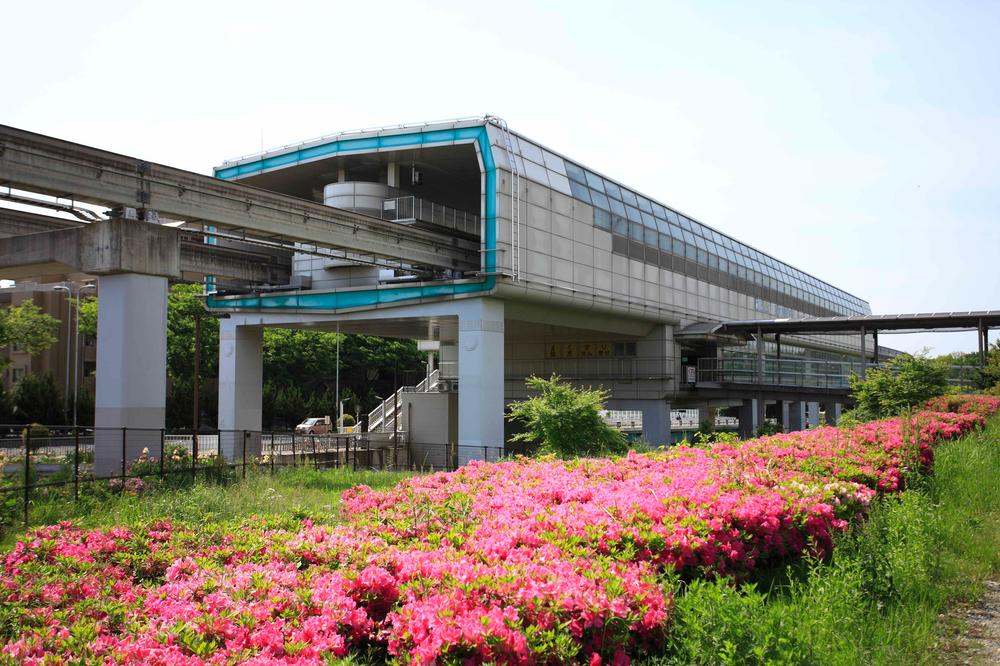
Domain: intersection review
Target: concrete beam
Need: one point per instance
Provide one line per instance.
(124, 246)
(52, 166)
(101, 248)
(19, 222)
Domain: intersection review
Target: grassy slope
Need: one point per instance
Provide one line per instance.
(291, 491)
(879, 600)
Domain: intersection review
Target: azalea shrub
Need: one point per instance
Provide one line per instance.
(523, 561)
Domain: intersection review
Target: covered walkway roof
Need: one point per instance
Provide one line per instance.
(934, 321)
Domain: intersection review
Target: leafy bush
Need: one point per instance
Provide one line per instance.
(905, 381)
(566, 421)
(38, 398)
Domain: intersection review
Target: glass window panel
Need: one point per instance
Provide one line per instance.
(676, 231)
(536, 172)
(619, 225)
(530, 151)
(600, 200)
(633, 214)
(662, 226)
(612, 190)
(659, 211)
(648, 220)
(575, 173)
(685, 223)
(602, 219)
(553, 162)
(713, 261)
(645, 206)
(595, 182)
(672, 216)
(677, 246)
(629, 198)
(688, 237)
(700, 242)
(635, 231)
(665, 242)
(702, 257)
(579, 191)
(724, 265)
(691, 252)
(651, 237)
(559, 182)
(617, 207)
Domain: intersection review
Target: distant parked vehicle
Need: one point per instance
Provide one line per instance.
(315, 426)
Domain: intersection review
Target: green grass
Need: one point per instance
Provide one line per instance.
(286, 492)
(879, 600)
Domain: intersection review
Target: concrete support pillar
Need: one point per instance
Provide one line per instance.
(833, 413)
(794, 414)
(656, 422)
(241, 380)
(749, 418)
(656, 425)
(480, 378)
(812, 414)
(132, 369)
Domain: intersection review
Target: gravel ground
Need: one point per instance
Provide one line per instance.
(980, 642)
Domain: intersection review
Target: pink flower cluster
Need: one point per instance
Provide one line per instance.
(525, 561)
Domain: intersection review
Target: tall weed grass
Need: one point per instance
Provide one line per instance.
(878, 599)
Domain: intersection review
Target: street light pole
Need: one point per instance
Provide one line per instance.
(69, 328)
(76, 370)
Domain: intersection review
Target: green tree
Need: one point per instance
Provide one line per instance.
(906, 380)
(37, 399)
(566, 421)
(27, 327)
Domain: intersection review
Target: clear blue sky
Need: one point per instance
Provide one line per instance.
(858, 141)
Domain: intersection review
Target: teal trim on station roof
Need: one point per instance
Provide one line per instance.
(337, 300)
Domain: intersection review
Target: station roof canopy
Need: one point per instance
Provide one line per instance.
(934, 321)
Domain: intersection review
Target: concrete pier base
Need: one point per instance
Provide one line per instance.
(794, 413)
(833, 413)
(812, 414)
(749, 418)
(132, 380)
(241, 380)
(480, 377)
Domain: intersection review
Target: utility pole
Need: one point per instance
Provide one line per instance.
(196, 381)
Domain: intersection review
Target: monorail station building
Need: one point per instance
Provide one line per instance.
(569, 272)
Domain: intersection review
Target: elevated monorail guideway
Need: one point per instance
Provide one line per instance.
(60, 168)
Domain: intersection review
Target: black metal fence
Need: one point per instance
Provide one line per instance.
(40, 458)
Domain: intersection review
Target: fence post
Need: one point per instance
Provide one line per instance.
(124, 450)
(486, 454)
(163, 437)
(272, 452)
(293, 448)
(245, 435)
(27, 473)
(315, 456)
(76, 464)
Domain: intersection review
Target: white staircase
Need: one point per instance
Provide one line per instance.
(383, 417)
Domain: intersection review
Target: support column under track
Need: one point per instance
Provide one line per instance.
(241, 379)
(130, 404)
(480, 379)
